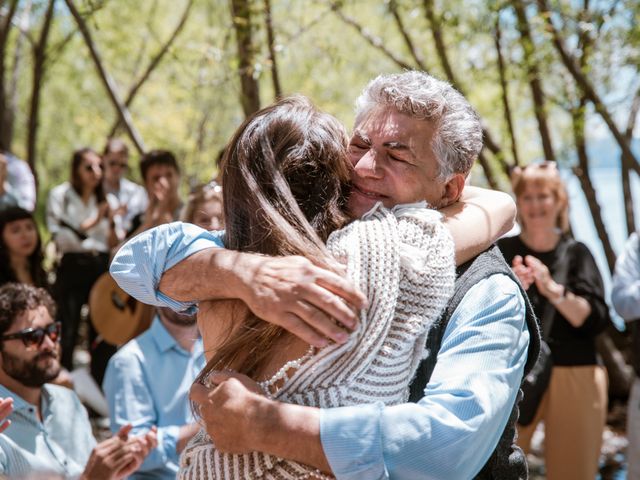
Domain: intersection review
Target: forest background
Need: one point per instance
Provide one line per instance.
(552, 80)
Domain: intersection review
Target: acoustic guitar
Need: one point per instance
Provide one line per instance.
(116, 315)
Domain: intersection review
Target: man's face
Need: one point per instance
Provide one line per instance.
(115, 166)
(176, 318)
(32, 367)
(393, 162)
(162, 181)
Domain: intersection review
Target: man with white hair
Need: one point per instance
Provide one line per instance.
(415, 138)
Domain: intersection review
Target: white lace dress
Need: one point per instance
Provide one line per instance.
(403, 260)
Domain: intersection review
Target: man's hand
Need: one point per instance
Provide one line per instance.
(6, 407)
(301, 297)
(231, 411)
(119, 456)
(240, 419)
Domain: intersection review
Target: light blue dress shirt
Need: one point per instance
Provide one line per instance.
(450, 433)
(147, 383)
(625, 294)
(61, 443)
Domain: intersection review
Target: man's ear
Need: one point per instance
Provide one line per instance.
(452, 189)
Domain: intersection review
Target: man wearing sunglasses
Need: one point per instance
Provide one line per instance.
(49, 430)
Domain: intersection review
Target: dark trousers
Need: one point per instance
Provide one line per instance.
(75, 276)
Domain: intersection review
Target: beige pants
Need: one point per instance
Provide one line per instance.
(574, 411)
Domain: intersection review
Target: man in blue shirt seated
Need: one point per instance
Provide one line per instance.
(49, 430)
(415, 138)
(147, 385)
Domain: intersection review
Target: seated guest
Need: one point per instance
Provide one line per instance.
(125, 197)
(147, 385)
(20, 249)
(161, 176)
(50, 430)
(204, 208)
(17, 185)
(80, 221)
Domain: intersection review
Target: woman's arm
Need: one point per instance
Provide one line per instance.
(478, 219)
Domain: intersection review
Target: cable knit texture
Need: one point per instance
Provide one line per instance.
(403, 260)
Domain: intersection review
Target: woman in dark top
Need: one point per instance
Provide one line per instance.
(575, 404)
(20, 249)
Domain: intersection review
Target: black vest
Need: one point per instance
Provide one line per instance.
(507, 461)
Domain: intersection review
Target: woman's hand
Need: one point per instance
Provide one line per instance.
(523, 272)
(543, 280)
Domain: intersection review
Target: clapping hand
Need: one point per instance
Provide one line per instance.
(6, 407)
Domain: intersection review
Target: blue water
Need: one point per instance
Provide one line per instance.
(608, 186)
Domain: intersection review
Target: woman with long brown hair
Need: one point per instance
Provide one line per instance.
(286, 180)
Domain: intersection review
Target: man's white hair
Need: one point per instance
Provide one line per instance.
(457, 139)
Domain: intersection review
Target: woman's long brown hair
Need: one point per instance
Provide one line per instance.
(285, 180)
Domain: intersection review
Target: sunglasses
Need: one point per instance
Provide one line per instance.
(90, 168)
(33, 337)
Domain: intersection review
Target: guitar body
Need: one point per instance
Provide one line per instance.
(116, 315)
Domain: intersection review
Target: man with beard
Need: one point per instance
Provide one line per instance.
(49, 430)
(147, 385)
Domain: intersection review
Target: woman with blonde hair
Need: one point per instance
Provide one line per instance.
(204, 207)
(567, 294)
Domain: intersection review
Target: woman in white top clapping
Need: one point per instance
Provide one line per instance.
(82, 227)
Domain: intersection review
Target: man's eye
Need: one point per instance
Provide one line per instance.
(357, 146)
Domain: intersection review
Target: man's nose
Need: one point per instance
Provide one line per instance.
(369, 165)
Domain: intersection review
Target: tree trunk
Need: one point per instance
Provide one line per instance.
(533, 77)
(155, 61)
(271, 41)
(441, 50)
(109, 84)
(39, 56)
(5, 27)
(393, 8)
(505, 92)
(249, 87)
(586, 87)
(626, 168)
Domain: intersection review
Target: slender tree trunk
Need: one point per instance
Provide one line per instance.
(441, 50)
(505, 92)
(488, 172)
(417, 58)
(582, 172)
(533, 77)
(626, 168)
(271, 41)
(585, 85)
(249, 87)
(155, 61)
(39, 56)
(5, 28)
(108, 82)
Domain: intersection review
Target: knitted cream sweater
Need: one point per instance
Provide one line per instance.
(403, 260)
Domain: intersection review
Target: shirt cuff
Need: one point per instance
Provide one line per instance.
(168, 441)
(352, 441)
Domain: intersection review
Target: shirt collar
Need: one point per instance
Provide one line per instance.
(165, 341)
(20, 403)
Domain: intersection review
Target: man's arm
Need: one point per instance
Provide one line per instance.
(178, 265)
(625, 293)
(450, 433)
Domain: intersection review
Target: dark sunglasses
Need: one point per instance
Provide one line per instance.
(89, 168)
(33, 337)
